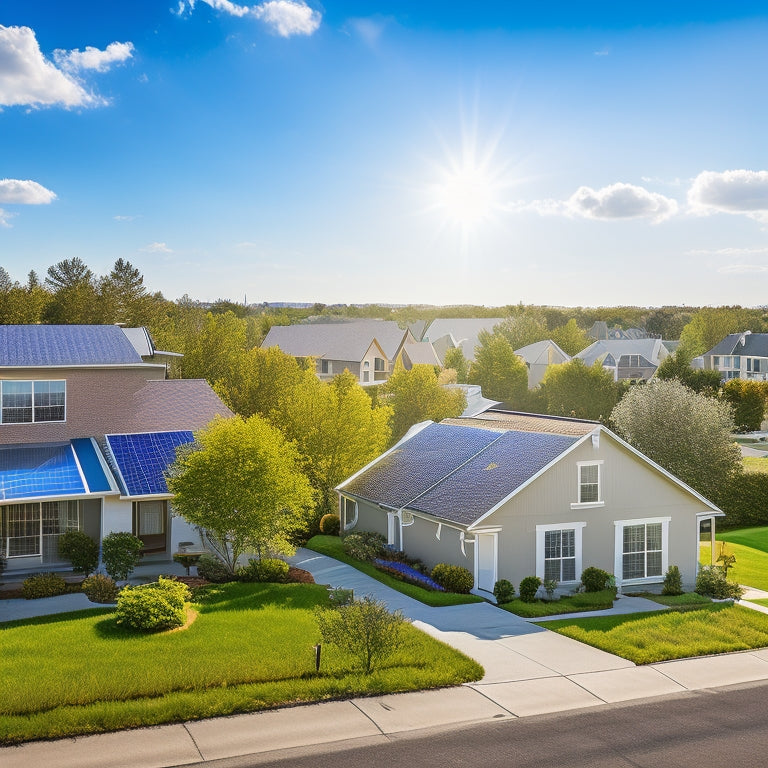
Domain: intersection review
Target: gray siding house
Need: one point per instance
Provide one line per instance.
(740, 356)
(512, 495)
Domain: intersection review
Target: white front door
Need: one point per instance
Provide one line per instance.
(393, 530)
(485, 561)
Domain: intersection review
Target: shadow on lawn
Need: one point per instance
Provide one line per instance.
(254, 596)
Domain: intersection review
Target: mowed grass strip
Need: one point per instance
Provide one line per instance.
(750, 546)
(646, 638)
(250, 648)
(332, 547)
(582, 601)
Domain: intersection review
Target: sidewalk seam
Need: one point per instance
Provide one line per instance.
(362, 712)
(189, 733)
(488, 698)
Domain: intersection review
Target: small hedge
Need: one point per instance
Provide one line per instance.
(503, 591)
(268, 569)
(43, 585)
(100, 588)
(81, 550)
(365, 545)
(152, 607)
(673, 582)
(212, 569)
(595, 579)
(711, 582)
(453, 578)
(330, 525)
(121, 553)
(529, 586)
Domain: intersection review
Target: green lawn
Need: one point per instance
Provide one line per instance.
(250, 648)
(750, 546)
(755, 463)
(332, 546)
(583, 601)
(646, 638)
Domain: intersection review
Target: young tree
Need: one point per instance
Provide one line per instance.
(501, 374)
(748, 399)
(570, 338)
(241, 483)
(454, 358)
(685, 432)
(524, 326)
(75, 299)
(678, 366)
(124, 298)
(574, 389)
(416, 395)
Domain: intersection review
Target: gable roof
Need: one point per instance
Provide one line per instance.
(336, 341)
(462, 330)
(651, 349)
(421, 353)
(34, 346)
(745, 343)
(437, 470)
(540, 351)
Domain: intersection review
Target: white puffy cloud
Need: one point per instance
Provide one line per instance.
(740, 191)
(616, 201)
(157, 248)
(285, 17)
(93, 58)
(24, 192)
(28, 78)
(288, 17)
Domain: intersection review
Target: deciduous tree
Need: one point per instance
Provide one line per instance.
(501, 374)
(574, 389)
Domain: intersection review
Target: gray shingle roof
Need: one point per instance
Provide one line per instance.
(652, 349)
(336, 341)
(457, 473)
(43, 345)
(464, 331)
(750, 344)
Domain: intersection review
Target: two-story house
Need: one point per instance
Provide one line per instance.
(740, 356)
(87, 428)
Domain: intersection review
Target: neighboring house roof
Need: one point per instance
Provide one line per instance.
(32, 346)
(600, 330)
(476, 403)
(527, 422)
(462, 330)
(51, 470)
(652, 349)
(745, 343)
(336, 341)
(421, 353)
(543, 353)
(173, 404)
(140, 460)
(456, 473)
(417, 328)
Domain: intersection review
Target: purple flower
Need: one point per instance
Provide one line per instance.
(405, 572)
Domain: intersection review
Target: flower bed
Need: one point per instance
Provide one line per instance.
(405, 572)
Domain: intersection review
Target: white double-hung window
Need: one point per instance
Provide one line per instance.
(642, 550)
(589, 488)
(558, 551)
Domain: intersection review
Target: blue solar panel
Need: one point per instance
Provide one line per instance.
(85, 451)
(39, 471)
(142, 458)
(416, 465)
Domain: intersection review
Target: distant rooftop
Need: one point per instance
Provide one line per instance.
(526, 422)
(30, 346)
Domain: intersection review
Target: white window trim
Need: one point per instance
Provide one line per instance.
(589, 504)
(577, 528)
(33, 382)
(495, 572)
(618, 550)
(348, 525)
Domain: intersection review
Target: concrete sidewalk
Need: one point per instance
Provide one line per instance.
(529, 671)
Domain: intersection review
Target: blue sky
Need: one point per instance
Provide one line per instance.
(560, 153)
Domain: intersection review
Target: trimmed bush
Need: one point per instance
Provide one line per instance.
(550, 585)
(100, 588)
(364, 545)
(673, 581)
(43, 585)
(330, 525)
(504, 591)
(529, 586)
(453, 578)
(595, 579)
(152, 607)
(268, 569)
(121, 553)
(214, 570)
(711, 582)
(81, 550)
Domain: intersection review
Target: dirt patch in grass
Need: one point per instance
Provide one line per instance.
(300, 576)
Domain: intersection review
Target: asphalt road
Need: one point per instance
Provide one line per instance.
(724, 727)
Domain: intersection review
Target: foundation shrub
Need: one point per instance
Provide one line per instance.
(504, 591)
(711, 582)
(365, 545)
(453, 578)
(595, 579)
(100, 588)
(43, 585)
(268, 569)
(529, 586)
(330, 525)
(212, 569)
(673, 581)
(81, 550)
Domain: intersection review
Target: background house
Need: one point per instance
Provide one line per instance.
(740, 356)
(627, 359)
(510, 495)
(538, 357)
(367, 348)
(86, 430)
(449, 333)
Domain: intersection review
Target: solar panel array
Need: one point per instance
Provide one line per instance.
(39, 472)
(142, 458)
